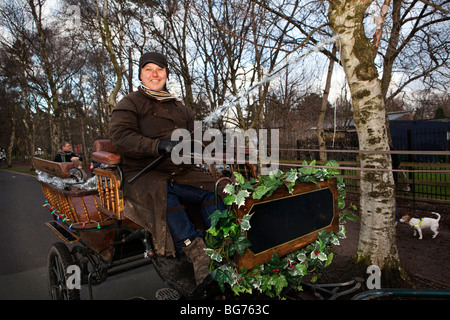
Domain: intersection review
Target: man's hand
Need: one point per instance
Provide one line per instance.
(166, 146)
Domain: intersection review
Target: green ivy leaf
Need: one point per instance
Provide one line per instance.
(335, 241)
(341, 203)
(247, 185)
(301, 257)
(241, 243)
(217, 215)
(300, 269)
(322, 256)
(240, 197)
(238, 289)
(224, 275)
(275, 174)
(306, 170)
(276, 263)
(213, 255)
(239, 177)
(253, 181)
(260, 192)
(341, 232)
(348, 215)
(279, 282)
(329, 259)
(213, 231)
(245, 222)
(229, 199)
(332, 172)
(292, 176)
(230, 230)
(314, 170)
(229, 188)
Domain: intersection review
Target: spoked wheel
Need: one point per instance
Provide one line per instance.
(59, 259)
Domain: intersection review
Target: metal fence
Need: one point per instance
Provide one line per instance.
(422, 135)
(423, 174)
(416, 181)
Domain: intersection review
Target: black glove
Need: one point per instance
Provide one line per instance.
(166, 146)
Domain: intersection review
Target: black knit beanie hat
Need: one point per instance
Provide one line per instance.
(153, 57)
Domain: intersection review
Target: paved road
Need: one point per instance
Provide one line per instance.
(25, 241)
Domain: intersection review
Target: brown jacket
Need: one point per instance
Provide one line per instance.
(137, 123)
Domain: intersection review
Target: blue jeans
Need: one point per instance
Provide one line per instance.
(181, 227)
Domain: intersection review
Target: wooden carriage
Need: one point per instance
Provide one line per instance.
(283, 222)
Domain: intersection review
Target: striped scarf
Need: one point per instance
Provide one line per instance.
(158, 95)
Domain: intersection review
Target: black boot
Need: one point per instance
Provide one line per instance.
(196, 254)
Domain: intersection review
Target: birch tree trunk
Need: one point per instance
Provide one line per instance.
(12, 137)
(111, 47)
(323, 109)
(377, 244)
(52, 97)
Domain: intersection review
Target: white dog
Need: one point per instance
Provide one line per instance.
(419, 224)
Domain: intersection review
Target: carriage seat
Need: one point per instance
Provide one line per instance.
(109, 179)
(104, 152)
(76, 205)
(58, 169)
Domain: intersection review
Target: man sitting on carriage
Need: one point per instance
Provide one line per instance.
(140, 129)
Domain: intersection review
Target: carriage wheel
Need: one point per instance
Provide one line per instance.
(59, 259)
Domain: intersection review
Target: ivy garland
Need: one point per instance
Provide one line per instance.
(227, 235)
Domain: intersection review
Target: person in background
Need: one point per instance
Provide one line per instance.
(78, 171)
(65, 153)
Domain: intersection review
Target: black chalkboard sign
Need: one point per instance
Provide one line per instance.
(284, 222)
(278, 221)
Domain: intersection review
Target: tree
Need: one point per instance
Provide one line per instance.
(323, 107)
(243, 48)
(47, 57)
(377, 243)
(112, 35)
(428, 103)
(415, 46)
(309, 22)
(10, 98)
(48, 66)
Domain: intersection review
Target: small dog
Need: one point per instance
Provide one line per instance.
(419, 224)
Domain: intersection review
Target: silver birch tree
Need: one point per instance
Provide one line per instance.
(377, 244)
